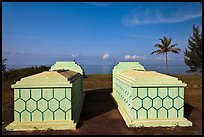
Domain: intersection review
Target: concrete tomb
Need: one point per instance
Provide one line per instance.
(148, 98)
(49, 100)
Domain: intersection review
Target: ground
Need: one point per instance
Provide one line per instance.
(100, 115)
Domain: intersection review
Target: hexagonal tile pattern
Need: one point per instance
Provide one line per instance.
(36, 116)
(25, 116)
(178, 102)
(142, 114)
(36, 94)
(181, 92)
(42, 105)
(162, 113)
(172, 113)
(19, 105)
(59, 93)
(68, 115)
(48, 93)
(30, 105)
(142, 92)
(180, 113)
(59, 115)
(16, 116)
(134, 92)
(65, 104)
(53, 104)
(137, 103)
(173, 92)
(167, 102)
(147, 103)
(162, 92)
(157, 103)
(16, 94)
(152, 92)
(152, 113)
(25, 94)
(134, 113)
(48, 115)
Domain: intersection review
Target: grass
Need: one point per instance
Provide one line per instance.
(8, 78)
(193, 92)
(97, 81)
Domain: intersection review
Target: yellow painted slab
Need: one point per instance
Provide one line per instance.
(135, 77)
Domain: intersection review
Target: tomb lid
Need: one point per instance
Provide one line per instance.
(121, 66)
(148, 78)
(67, 65)
(58, 78)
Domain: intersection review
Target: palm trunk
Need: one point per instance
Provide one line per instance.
(166, 64)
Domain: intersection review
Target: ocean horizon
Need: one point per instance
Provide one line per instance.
(107, 69)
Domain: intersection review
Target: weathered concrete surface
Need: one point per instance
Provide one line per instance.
(100, 116)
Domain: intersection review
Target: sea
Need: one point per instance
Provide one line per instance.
(107, 69)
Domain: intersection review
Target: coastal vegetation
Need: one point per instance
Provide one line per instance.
(193, 55)
(165, 47)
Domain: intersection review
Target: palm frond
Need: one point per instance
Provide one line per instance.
(173, 45)
(166, 40)
(175, 50)
(169, 41)
(166, 46)
(158, 51)
(162, 41)
(159, 46)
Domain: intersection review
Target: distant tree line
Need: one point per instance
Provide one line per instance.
(3, 65)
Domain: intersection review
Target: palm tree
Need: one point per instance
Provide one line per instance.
(165, 47)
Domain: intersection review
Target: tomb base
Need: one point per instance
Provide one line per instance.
(48, 125)
(170, 122)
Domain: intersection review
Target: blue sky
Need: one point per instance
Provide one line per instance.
(95, 33)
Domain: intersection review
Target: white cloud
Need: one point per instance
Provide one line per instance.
(106, 56)
(159, 19)
(159, 58)
(153, 16)
(129, 57)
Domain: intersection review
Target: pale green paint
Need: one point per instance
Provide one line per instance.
(147, 95)
(55, 103)
(67, 65)
(43, 79)
(153, 122)
(147, 79)
(121, 66)
(46, 97)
